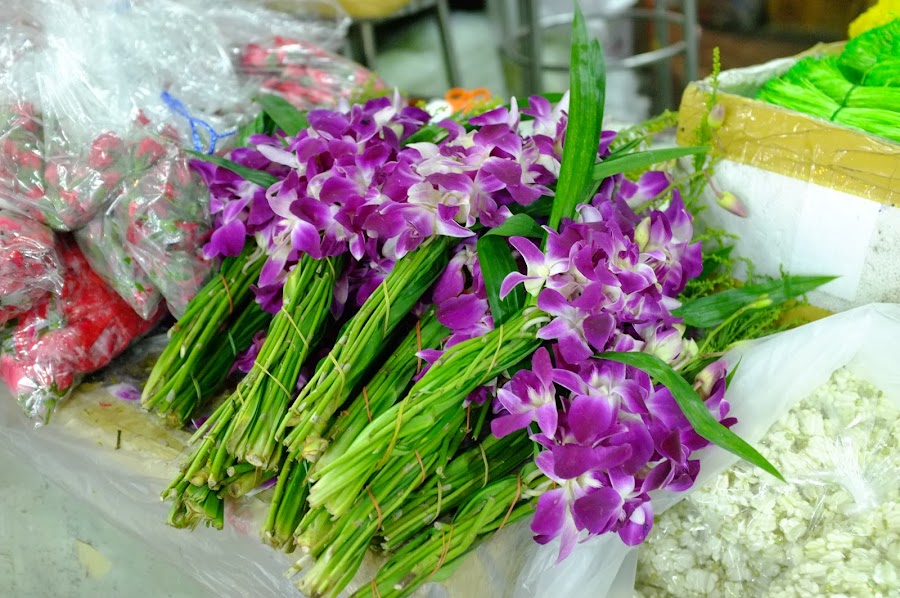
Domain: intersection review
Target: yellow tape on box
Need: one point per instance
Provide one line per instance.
(821, 198)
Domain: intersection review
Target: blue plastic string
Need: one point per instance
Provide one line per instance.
(196, 124)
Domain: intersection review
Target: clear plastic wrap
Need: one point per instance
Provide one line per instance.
(102, 242)
(76, 108)
(148, 244)
(833, 529)
(29, 265)
(304, 74)
(163, 218)
(44, 354)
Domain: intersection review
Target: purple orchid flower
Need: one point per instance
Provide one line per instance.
(529, 397)
(575, 326)
(540, 267)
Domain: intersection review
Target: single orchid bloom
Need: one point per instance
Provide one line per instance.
(539, 267)
(529, 397)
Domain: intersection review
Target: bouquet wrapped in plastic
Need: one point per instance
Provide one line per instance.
(148, 245)
(103, 244)
(306, 75)
(164, 222)
(43, 356)
(29, 265)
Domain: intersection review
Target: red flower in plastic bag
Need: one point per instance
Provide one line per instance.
(58, 341)
(104, 150)
(149, 151)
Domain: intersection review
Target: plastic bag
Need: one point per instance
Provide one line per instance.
(43, 356)
(102, 242)
(29, 265)
(164, 220)
(101, 76)
(21, 131)
(320, 22)
(832, 529)
(306, 75)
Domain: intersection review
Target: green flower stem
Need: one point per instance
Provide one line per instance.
(498, 504)
(239, 484)
(465, 475)
(259, 399)
(195, 505)
(290, 494)
(199, 355)
(338, 560)
(316, 529)
(442, 390)
(308, 295)
(382, 391)
(361, 341)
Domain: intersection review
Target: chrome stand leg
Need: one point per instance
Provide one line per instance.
(449, 54)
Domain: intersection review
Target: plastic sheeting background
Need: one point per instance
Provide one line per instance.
(78, 452)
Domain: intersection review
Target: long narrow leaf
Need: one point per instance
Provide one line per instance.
(496, 262)
(262, 124)
(258, 177)
(638, 160)
(539, 209)
(518, 225)
(712, 310)
(693, 408)
(286, 116)
(587, 93)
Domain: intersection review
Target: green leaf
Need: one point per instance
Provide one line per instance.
(539, 209)
(587, 93)
(262, 124)
(285, 115)
(693, 408)
(624, 149)
(518, 225)
(428, 133)
(496, 262)
(712, 310)
(714, 259)
(639, 160)
(257, 177)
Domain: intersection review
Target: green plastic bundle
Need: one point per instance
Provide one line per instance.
(832, 87)
(873, 58)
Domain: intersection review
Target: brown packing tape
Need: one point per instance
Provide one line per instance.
(790, 143)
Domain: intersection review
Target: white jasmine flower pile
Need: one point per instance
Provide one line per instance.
(833, 530)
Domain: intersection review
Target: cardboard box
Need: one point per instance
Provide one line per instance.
(822, 198)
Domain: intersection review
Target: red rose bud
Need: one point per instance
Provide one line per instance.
(149, 151)
(103, 151)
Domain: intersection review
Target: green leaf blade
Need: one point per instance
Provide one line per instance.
(257, 177)
(285, 115)
(496, 261)
(712, 310)
(587, 94)
(694, 408)
(638, 160)
(518, 225)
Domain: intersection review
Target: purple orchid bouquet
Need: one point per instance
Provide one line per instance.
(505, 316)
(608, 282)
